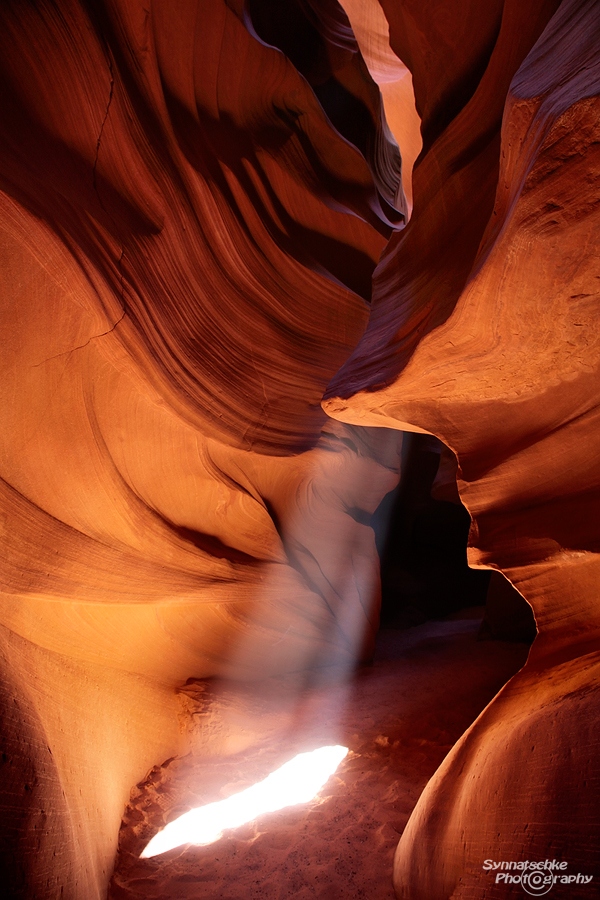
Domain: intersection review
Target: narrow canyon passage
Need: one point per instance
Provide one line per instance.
(299, 317)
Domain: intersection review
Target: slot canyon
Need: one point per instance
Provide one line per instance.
(300, 445)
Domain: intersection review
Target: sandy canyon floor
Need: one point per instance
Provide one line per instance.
(398, 717)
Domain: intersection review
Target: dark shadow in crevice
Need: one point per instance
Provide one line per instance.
(422, 543)
(284, 24)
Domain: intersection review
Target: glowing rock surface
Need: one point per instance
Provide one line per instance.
(187, 242)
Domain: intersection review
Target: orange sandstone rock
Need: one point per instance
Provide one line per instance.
(187, 246)
(500, 359)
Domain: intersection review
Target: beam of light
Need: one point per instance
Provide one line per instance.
(297, 781)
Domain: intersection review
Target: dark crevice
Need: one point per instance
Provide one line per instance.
(285, 25)
(422, 542)
(346, 113)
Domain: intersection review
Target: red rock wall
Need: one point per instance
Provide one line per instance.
(489, 341)
(187, 247)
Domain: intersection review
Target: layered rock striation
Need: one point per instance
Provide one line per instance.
(483, 334)
(187, 245)
(193, 201)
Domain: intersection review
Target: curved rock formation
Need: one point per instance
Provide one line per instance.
(493, 348)
(394, 79)
(193, 198)
(187, 246)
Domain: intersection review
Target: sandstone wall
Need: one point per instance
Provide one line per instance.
(483, 333)
(187, 246)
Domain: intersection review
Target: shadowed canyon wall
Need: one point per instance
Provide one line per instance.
(187, 248)
(193, 204)
(500, 360)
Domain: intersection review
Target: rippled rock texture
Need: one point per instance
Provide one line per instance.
(500, 359)
(187, 246)
(193, 200)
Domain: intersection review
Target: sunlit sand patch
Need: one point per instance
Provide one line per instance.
(297, 781)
